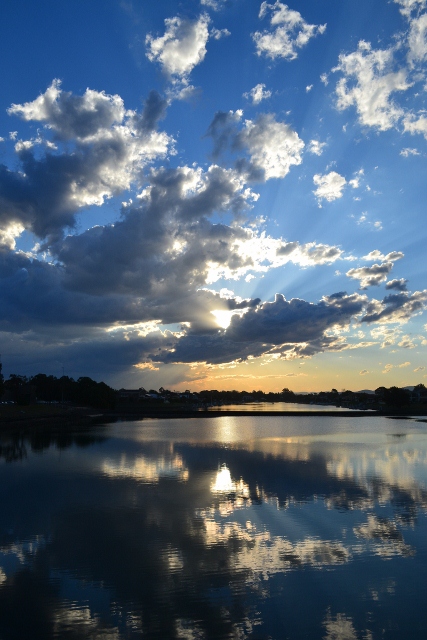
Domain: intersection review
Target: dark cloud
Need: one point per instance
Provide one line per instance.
(397, 285)
(105, 295)
(267, 147)
(109, 148)
(371, 276)
(398, 307)
(271, 324)
(154, 110)
(224, 131)
(72, 116)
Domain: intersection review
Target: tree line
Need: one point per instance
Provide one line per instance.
(25, 390)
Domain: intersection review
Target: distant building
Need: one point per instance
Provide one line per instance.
(132, 394)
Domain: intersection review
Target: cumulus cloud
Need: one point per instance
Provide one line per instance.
(371, 276)
(399, 307)
(355, 182)
(397, 284)
(110, 148)
(71, 116)
(392, 256)
(258, 94)
(110, 292)
(8, 235)
(273, 147)
(167, 238)
(330, 186)
(414, 124)
(292, 327)
(164, 237)
(289, 32)
(407, 343)
(217, 34)
(368, 83)
(316, 147)
(389, 367)
(181, 47)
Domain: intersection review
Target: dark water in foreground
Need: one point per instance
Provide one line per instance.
(302, 527)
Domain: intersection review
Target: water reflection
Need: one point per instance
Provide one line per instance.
(146, 469)
(133, 537)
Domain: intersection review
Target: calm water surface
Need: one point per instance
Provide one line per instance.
(276, 406)
(261, 528)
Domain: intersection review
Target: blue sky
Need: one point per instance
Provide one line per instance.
(214, 193)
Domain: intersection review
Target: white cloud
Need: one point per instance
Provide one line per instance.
(273, 146)
(216, 5)
(387, 335)
(324, 79)
(316, 147)
(70, 116)
(355, 182)
(9, 233)
(409, 152)
(407, 6)
(389, 257)
(413, 124)
(110, 147)
(407, 342)
(181, 48)
(389, 367)
(308, 88)
(217, 34)
(368, 84)
(329, 186)
(371, 276)
(289, 33)
(258, 93)
(396, 307)
(363, 372)
(364, 221)
(417, 40)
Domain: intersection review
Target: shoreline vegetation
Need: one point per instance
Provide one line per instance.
(47, 401)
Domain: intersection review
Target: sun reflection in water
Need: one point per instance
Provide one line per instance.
(224, 484)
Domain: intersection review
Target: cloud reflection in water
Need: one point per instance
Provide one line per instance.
(179, 540)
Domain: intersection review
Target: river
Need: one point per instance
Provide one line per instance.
(207, 528)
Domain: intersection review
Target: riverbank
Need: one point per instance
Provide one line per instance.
(59, 417)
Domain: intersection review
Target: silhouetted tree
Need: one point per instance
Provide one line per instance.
(395, 397)
(19, 389)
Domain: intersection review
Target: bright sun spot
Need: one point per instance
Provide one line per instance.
(223, 317)
(223, 482)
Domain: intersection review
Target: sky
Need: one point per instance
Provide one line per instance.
(206, 194)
